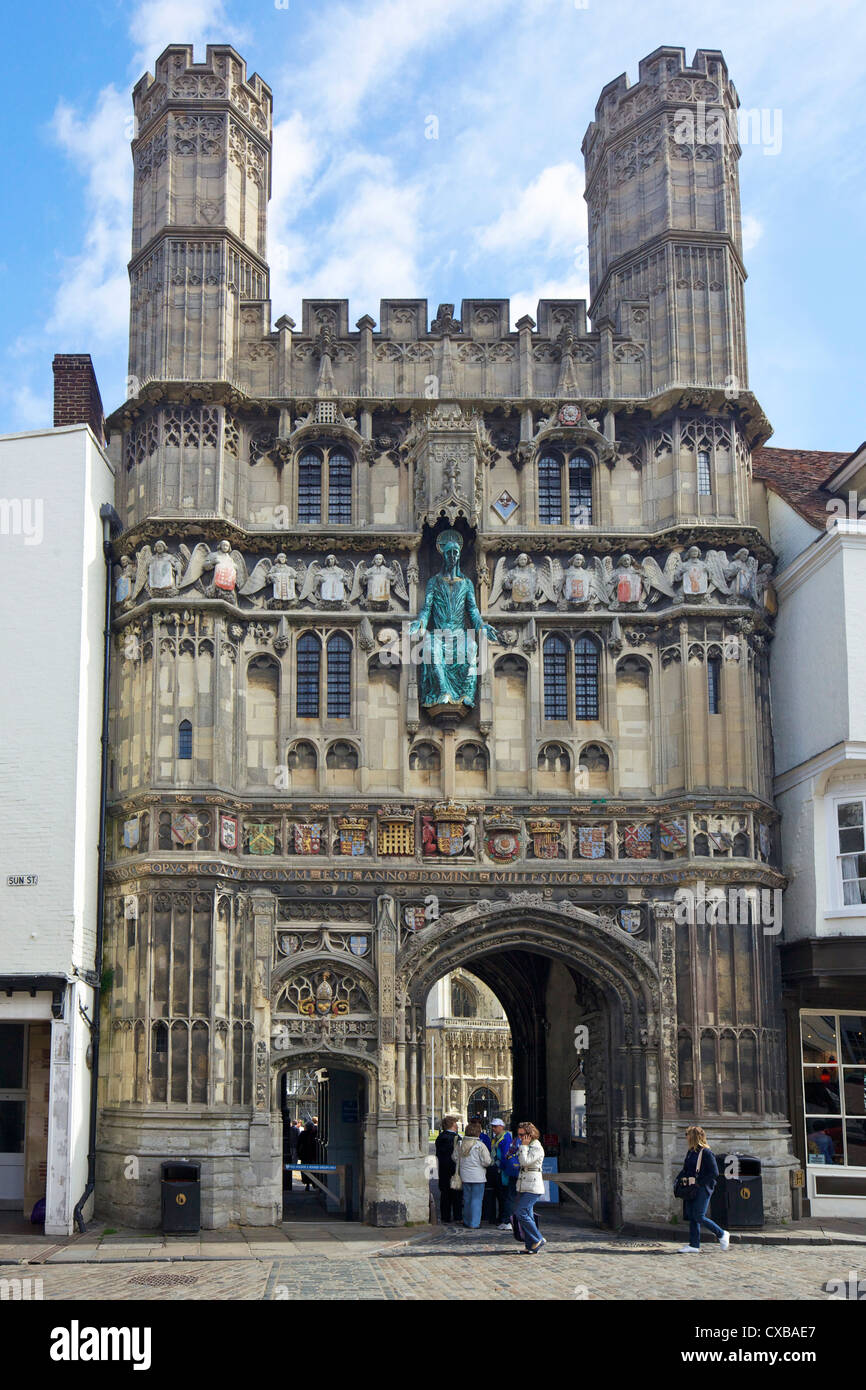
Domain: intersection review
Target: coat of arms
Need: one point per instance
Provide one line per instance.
(131, 832)
(638, 841)
(591, 841)
(673, 834)
(308, 838)
(359, 945)
(261, 838)
(353, 837)
(228, 832)
(450, 819)
(414, 918)
(630, 920)
(184, 828)
(503, 845)
(545, 838)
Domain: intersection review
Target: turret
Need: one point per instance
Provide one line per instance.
(665, 246)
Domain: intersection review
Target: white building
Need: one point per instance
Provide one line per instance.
(53, 483)
(818, 672)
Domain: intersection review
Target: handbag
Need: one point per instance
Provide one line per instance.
(684, 1187)
(456, 1183)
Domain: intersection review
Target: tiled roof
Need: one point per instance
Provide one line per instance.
(796, 475)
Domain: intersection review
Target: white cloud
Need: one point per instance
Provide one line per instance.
(93, 298)
(157, 23)
(753, 230)
(550, 210)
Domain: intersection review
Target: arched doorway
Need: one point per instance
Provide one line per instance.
(558, 968)
(483, 1105)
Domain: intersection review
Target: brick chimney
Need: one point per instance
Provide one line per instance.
(76, 395)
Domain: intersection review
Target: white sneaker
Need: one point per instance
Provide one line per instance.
(689, 1250)
(504, 1226)
(724, 1240)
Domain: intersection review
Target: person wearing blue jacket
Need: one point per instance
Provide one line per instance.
(700, 1171)
(499, 1172)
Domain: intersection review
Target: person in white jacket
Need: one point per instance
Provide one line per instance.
(530, 1186)
(473, 1160)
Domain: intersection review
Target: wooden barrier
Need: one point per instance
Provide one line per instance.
(562, 1180)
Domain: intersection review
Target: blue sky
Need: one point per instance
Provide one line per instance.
(365, 206)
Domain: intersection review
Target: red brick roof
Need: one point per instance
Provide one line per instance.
(797, 475)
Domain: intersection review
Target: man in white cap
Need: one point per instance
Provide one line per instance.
(498, 1174)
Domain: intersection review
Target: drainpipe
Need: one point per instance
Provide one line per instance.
(110, 523)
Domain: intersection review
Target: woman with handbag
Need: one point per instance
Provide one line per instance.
(694, 1186)
(530, 1186)
(473, 1160)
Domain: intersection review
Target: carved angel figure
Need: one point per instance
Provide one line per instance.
(636, 583)
(230, 571)
(328, 583)
(699, 576)
(527, 583)
(285, 579)
(158, 570)
(581, 585)
(742, 575)
(377, 581)
(123, 577)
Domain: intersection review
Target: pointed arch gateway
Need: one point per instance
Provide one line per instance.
(511, 944)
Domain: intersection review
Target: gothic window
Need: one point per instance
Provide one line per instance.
(580, 490)
(309, 666)
(565, 491)
(555, 677)
(310, 490)
(340, 489)
(585, 679)
(714, 684)
(339, 676)
(184, 740)
(704, 483)
(549, 489)
(464, 1000)
(325, 487)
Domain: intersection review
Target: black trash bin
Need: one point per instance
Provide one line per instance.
(181, 1197)
(738, 1198)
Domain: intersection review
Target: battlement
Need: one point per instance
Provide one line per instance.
(663, 76)
(407, 320)
(222, 77)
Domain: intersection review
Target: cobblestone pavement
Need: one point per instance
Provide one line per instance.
(483, 1268)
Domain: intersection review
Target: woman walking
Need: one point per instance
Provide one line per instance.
(694, 1184)
(473, 1160)
(530, 1186)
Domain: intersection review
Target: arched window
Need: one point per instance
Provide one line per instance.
(585, 679)
(339, 676)
(310, 489)
(580, 490)
(184, 739)
(705, 486)
(549, 489)
(555, 677)
(714, 684)
(309, 666)
(340, 489)
(464, 1000)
